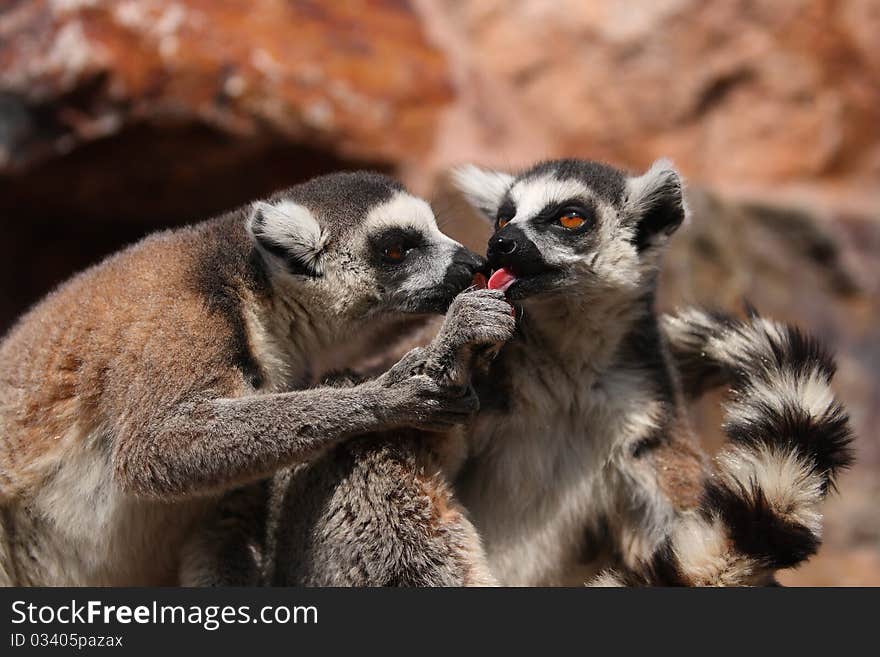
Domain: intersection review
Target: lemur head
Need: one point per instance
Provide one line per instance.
(358, 245)
(576, 228)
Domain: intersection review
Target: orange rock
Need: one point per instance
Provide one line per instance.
(736, 93)
(356, 78)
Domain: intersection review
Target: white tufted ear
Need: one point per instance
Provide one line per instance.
(288, 232)
(655, 203)
(484, 189)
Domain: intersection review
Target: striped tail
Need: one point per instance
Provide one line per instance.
(788, 439)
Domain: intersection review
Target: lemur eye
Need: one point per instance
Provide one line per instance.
(502, 222)
(571, 220)
(393, 254)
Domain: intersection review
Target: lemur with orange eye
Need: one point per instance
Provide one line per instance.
(581, 457)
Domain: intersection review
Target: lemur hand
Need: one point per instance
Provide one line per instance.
(477, 322)
(410, 364)
(415, 399)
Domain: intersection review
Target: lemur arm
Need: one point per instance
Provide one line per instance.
(209, 445)
(477, 323)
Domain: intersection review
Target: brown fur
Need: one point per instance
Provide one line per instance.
(680, 472)
(450, 518)
(88, 365)
(75, 362)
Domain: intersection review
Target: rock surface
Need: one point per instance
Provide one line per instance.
(739, 94)
(356, 78)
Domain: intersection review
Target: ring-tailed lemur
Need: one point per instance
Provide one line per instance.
(182, 367)
(376, 511)
(581, 451)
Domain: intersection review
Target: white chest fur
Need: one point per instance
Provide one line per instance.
(552, 465)
(80, 529)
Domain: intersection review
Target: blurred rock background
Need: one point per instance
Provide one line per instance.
(121, 117)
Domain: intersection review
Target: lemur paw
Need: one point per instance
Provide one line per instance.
(476, 321)
(425, 403)
(410, 364)
(479, 318)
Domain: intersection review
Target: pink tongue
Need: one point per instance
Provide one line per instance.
(501, 280)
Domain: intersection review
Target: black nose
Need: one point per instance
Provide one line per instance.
(501, 246)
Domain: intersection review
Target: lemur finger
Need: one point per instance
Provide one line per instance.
(438, 425)
(495, 317)
(476, 302)
(452, 400)
(447, 415)
(410, 364)
(457, 399)
(490, 334)
(504, 323)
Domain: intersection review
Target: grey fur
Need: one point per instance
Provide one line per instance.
(207, 444)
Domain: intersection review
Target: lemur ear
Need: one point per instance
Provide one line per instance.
(655, 203)
(484, 189)
(290, 233)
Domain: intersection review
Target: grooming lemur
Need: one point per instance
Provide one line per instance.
(138, 392)
(581, 454)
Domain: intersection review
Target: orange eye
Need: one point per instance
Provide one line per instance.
(571, 221)
(502, 222)
(393, 253)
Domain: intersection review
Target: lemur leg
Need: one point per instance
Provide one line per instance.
(654, 481)
(657, 472)
(375, 513)
(789, 438)
(661, 475)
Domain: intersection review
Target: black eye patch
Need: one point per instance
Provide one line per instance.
(394, 238)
